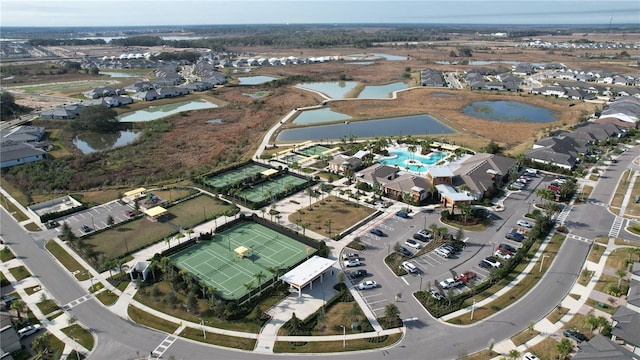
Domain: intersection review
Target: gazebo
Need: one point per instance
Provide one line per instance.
(305, 273)
(241, 251)
(155, 212)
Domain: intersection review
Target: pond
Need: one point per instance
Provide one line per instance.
(509, 111)
(116, 74)
(334, 90)
(255, 80)
(91, 142)
(380, 91)
(319, 116)
(157, 112)
(399, 126)
(391, 57)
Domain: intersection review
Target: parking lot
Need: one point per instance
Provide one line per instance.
(96, 217)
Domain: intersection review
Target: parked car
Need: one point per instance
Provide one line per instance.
(421, 237)
(443, 252)
(467, 276)
(524, 223)
(529, 356)
(574, 335)
(507, 247)
(414, 244)
(377, 232)
(450, 283)
(484, 264)
(515, 236)
(435, 294)
(404, 251)
(553, 187)
(402, 214)
(493, 261)
(348, 256)
(457, 246)
(531, 172)
(409, 267)
(426, 233)
(31, 329)
(352, 263)
(503, 254)
(358, 274)
(369, 284)
(86, 228)
(129, 213)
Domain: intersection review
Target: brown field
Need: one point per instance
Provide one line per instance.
(343, 214)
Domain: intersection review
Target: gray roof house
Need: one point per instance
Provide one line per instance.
(414, 186)
(626, 329)
(561, 151)
(483, 173)
(341, 163)
(601, 348)
(101, 92)
(22, 134)
(377, 174)
(63, 113)
(9, 339)
(18, 154)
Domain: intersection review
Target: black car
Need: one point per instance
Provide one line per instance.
(457, 246)
(574, 335)
(404, 251)
(377, 232)
(515, 236)
(507, 247)
(421, 237)
(485, 265)
(86, 228)
(358, 274)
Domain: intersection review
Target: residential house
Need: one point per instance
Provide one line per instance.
(341, 164)
(626, 319)
(431, 78)
(62, 113)
(601, 348)
(9, 340)
(101, 92)
(377, 175)
(18, 154)
(483, 174)
(414, 186)
(22, 134)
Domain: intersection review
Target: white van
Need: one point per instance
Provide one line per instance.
(443, 252)
(409, 267)
(533, 172)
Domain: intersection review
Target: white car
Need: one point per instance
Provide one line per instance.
(369, 284)
(450, 283)
(503, 254)
(530, 356)
(409, 267)
(524, 223)
(31, 329)
(414, 244)
(352, 263)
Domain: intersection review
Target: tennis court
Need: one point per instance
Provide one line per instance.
(235, 175)
(313, 150)
(217, 263)
(272, 188)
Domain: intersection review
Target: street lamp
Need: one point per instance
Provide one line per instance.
(204, 333)
(490, 248)
(420, 282)
(473, 307)
(542, 261)
(344, 336)
(91, 279)
(75, 347)
(388, 249)
(323, 302)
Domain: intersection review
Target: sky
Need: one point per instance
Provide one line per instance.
(212, 12)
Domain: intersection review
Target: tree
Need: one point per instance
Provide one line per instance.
(41, 343)
(259, 277)
(492, 148)
(110, 220)
(19, 306)
(98, 118)
(564, 347)
(514, 354)
(391, 313)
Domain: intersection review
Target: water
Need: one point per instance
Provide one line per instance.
(115, 74)
(361, 62)
(334, 90)
(509, 111)
(157, 112)
(399, 126)
(380, 91)
(403, 159)
(91, 142)
(391, 57)
(319, 116)
(255, 80)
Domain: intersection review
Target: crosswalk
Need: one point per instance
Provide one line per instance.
(68, 306)
(615, 227)
(164, 346)
(577, 237)
(564, 214)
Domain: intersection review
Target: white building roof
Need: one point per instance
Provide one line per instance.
(452, 194)
(306, 272)
(440, 171)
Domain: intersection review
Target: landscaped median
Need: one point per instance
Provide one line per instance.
(71, 264)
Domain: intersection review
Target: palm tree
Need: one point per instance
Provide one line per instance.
(18, 305)
(328, 224)
(248, 286)
(564, 347)
(391, 313)
(514, 354)
(41, 343)
(259, 277)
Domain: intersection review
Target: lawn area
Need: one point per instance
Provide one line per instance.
(154, 322)
(517, 291)
(18, 195)
(577, 323)
(596, 252)
(19, 272)
(107, 297)
(485, 354)
(219, 339)
(616, 259)
(633, 208)
(585, 276)
(11, 208)
(47, 307)
(524, 336)
(546, 349)
(64, 258)
(336, 346)
(191, 212)
(81, 335)
(557, 314)
(6, 254)
(606, 307)
(32, 227)
(621, 190)
(332, 215)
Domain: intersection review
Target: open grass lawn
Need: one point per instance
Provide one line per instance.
(152, 321)
(557, 314)
(245, 325)
(338, 314)
(628, 243)
(336, 346)
(18, 195)
(546, 349)
(524, 336)
(517, 291)
(602, 240)
(616, 259)
(585, 277)
(621, 190)
(577, 323)
(342, 213)
(605, 281)
(6, 254)
(191, 212)
(606, 307)
(32, 289)
(485, 354)
(32, 227)
(81, 335)
(20, 272)
(219, 339)
(596, 253)
(633, 208)
(64, 258)
(48, 306)
(107, 297)
(11, 208)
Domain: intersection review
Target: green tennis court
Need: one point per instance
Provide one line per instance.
(313, 150)
(271, 188)
(235, 175)
(218, 265)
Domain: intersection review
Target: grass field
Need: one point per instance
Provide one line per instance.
(216, 262)
(342, 213)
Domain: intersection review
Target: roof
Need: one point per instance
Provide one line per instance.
(269, 172)
(376, 173)
(603, 348)
(19, 151)
(478, 171)
(440, 171)
(451, 193)
(135, 191)
(155, 211)
(407, 182)
(306, 272)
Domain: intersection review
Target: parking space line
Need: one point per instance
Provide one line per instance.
(405, 280)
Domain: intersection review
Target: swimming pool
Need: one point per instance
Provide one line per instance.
(403, 159)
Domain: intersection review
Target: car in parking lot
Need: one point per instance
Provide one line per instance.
(347, 256)
(369, 284)
(502, 254)
(129, 213)
(529, 356)
(493, 261)
(574, 335)
(377, 232)
(409, 267)
(450, 283)
(515, 236)
(403, 214)
(442, 252)
(457, 246)
(485, 265)
(31, 329)
(524, 223)
(421, 237)
(404, 251)
(86, 228)
(426, 234)
(467, 276)
(358, 274)
(507, 247)
(414, 244)
(352, 263)
(435, 294)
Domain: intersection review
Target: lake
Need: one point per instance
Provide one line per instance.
(115, 74)
(391, 57)
(509, 111)
(255, 80)
(157, 112)
(399, 126)
(334, 90)
(380, 91)
(91, 142)
(319, 116)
